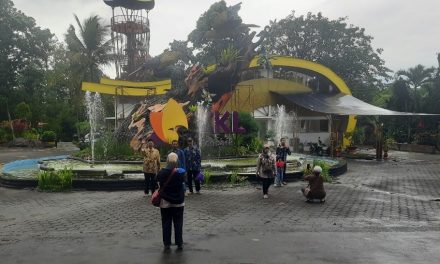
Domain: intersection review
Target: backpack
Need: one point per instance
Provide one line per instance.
(267, 164)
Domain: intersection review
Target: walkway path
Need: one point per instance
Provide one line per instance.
(378, 212)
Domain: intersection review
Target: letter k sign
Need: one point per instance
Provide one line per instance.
(219, 122)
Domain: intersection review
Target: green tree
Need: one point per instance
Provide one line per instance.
(218, 29)
(91, 48)
(24, 49)
(417, 77)
(23, 111)
(344, 48)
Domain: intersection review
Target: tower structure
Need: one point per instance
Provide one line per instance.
(130, 28)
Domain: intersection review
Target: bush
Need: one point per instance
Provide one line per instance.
(234, 178)
(55, 181)
(5, 135)
(31, 134)
(109, 148)
(208, 175)
(325, 169)
(48, 136)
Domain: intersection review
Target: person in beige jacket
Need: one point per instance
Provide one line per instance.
(151, 166)
(266, 169)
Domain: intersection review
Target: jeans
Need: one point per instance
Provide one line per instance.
(280, 176)
(172, 215)
(266, 184)
(150, 182)
(192, 175)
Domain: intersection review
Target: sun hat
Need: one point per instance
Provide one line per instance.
(317, 169)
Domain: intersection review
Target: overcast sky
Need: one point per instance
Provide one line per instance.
(408, 31)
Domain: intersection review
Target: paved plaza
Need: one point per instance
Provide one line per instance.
(378, 212)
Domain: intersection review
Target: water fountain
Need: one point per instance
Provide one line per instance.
(281, 123)
(202, 122)
(94, 114)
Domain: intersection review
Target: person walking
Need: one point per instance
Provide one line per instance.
(282, 152)
(170, 180)
(151, 166)
(266, 169)
(315, 189)
(193, 165)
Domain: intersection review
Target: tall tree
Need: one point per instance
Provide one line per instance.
(24, 49)
(218, 29)
(91, 48)
(344, 48)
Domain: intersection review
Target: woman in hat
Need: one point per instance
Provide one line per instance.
(315, 189)
(266, 169)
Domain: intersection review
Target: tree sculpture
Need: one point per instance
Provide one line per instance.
(221, 39)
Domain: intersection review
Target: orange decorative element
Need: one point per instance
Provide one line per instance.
(166, 123)
(156, 124)
(217, 106)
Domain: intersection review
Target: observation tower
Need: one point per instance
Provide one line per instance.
(130, 30)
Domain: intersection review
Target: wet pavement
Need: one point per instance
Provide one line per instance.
(378, 212)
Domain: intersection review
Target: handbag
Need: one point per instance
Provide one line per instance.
(200, 177)
(157, 195)
(280, 164)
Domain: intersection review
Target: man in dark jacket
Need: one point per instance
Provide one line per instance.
(170, 180)
(281, 154)
(193, 165)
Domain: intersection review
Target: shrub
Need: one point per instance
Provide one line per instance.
(55, 181)
(325, 169)
(234, 178)
(208, 175)
(108, 147)
(30, 134)
(48, 136)
(5, 135)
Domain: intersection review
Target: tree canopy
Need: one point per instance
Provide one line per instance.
(346, 49)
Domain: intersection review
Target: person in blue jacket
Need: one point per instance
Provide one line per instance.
(181, 158)
(193, 165)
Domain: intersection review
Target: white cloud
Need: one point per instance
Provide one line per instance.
(408, 31)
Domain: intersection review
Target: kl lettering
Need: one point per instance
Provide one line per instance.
(221, 123)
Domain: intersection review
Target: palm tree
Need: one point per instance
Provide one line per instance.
(416, 78)
(91, 48)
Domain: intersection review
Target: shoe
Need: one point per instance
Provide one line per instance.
(179, 247)
(198, 192)
(276, 185)
(284, 183)
(265, 196)
(186, 194)
(166, 248)
(146, 194)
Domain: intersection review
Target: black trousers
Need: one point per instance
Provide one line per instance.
(266, 183)
(150, 182)
(192, 176)
(172, 215)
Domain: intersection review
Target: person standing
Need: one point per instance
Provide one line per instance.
(170, 180)
(180, 154)
(181, 158)
(193, 165)
(282, 152)
(151, 166)
(266, 169)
